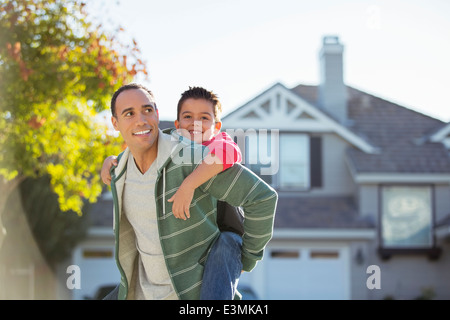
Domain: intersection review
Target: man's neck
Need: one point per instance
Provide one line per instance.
(145, 159)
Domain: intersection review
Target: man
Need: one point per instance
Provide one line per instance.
(159, 256)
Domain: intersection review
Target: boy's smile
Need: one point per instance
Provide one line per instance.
(196, 119)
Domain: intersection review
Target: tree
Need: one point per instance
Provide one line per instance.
(56, 234)
(58, 69)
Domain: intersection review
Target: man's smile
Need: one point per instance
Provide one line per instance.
(141, 133)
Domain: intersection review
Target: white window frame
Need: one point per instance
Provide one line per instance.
(278, 159)
(301, 161)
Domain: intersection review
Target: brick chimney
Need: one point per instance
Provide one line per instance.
(332, 89)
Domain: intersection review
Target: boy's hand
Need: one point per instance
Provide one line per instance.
(107, 165)
(181, 202)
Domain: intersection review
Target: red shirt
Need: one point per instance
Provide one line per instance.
(222, 146)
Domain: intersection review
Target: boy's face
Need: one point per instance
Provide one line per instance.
(137, 119)
(196, 120)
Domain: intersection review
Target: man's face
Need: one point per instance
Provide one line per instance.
(196, 120)
(137, 119)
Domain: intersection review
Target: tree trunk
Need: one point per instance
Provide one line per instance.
(6, 188)
(24, 272)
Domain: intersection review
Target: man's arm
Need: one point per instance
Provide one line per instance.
(241, 187)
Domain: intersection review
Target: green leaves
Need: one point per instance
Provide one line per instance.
(56, 72)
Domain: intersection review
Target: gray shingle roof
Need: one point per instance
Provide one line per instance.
(319, 212)
(398, 131)
(100, 214)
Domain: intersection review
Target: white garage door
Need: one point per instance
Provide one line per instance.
(98, 268)
(314, 273)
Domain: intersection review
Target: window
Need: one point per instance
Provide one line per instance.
(406, 217)
(324, 254)
(282, 160)
(285, 254)
(294, 161)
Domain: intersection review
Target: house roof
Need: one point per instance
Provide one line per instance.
(164, 124)
(100, 214)
(397, 131)
(319, 212)
(440, 134)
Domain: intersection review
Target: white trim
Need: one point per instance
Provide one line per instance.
(321, 122)
(107, 195)
(441, 134)
(325, 234)
(100, 232)
(380, 177)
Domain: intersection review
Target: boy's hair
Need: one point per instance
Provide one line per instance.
(201, 93)
(127, 87)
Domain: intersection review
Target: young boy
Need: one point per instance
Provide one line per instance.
(198, 119)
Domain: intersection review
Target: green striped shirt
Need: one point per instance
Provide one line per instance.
(186, 243)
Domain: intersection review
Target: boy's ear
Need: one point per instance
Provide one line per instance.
(217, 127)
(177, 124)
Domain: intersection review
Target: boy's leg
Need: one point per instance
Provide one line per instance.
(223, 268)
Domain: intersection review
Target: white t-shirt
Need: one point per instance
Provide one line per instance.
(153, 282)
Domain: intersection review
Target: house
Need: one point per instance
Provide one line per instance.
(364, 191)
(364, 194)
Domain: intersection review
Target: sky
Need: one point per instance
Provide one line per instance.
(398, 50)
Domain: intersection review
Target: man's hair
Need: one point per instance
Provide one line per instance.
(127, 87)
(201, 93)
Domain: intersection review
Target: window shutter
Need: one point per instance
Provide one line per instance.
(316, 162)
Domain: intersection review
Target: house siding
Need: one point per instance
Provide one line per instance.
(337, 179)
(442, 201)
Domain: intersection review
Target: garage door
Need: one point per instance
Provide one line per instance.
(98, 268)
(307, 273)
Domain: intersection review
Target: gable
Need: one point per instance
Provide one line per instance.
(279, 108)
(276, 108)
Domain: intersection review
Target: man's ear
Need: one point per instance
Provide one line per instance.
(114, 123)
(217, 127)
(177, 124)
